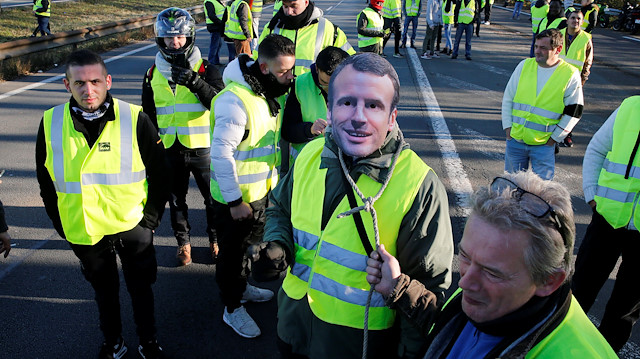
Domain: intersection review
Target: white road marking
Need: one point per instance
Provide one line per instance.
(631, 38)
(458, 179)
(17, 260)
(333, 7)
(472, 90)
(48, 300)
(493, 69)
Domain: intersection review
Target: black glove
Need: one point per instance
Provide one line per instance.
(183, 76)
(268, 260)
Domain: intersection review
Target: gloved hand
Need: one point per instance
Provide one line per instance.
(268, 260)
(183, 76)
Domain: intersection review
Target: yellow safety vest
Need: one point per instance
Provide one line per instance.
(101, 190)
(411, 7)
(617, 192)
(467, 12)
(256, 156)
(544, 24)
(310, 40)
(276, 6)
(534, 117)
(585, 21)
(219, 8)
(537, 14)
(575, 54)
(312, 105)
(232, 28)
(256, 7)
(329, 266)
(180, 114)
(392, 9)
(448, 17)
(374, 22)
(38, 5)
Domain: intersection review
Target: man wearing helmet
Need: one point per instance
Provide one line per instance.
(370, 28)
(176, 94)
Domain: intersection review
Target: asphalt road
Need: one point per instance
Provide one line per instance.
(449, 112)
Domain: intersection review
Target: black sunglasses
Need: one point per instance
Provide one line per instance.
(530, 203)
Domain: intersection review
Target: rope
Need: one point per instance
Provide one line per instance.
(368, 207)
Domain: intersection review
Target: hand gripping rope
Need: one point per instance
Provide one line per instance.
(368, 206)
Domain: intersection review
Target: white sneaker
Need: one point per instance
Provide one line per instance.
(435, 55)
(425, 56)
(255, 294)
(240, 321)
(487, 23)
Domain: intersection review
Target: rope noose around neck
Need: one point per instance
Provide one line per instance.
(368, 207)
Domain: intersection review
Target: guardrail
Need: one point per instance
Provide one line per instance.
(30, 45)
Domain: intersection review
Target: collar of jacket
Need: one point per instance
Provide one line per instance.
(309, 16)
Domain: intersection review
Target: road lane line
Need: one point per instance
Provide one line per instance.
(460, 184)
(631, 38)
(17, 260)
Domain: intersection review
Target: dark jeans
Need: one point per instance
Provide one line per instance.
(43, 26)
(394, 25)
(468, 30)
(235, 237)
(413, 20)
(598, 254)
(183, 162)
(487, 11)
(100, 268)
(214, 48)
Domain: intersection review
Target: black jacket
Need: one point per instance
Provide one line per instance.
(3, 223)
(151, 151)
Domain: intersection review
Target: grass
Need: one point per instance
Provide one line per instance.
(17, 23)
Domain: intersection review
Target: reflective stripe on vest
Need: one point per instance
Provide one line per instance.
(411, 7)
(448, 17)
(544, 24)
(276, 6)
(38, 5)
(232, 28)
(180, 114)
(537, 14)
(329, 267)
(218, 7)
(101, 190)
(392, 9)
(374, 22)
(617, 196)
(575, 54)
(467, 12)
(256, 7)
(256, 155)
(585, 21)
(534, 116)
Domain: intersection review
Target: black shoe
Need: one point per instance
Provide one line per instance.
(468, 58)
(150, 350)
(113, 351)
(568, 142)
(453, 57)
(557, 148)
(413, 46)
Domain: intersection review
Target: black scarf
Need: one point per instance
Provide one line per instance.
(292, 22)
(261, 84)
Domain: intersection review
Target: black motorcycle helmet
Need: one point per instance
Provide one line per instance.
(175, 22)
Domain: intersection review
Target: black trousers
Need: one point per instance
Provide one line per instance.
(598, 254)
(183, 162)
(394, 25)
(138, 257)
(233, 268)
(487, 11)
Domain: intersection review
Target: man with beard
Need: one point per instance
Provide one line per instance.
(322, 303)
(303, 23)
(246, 118)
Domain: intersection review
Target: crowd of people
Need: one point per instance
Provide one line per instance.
(305, 174)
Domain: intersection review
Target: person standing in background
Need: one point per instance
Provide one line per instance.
(214, 11)
(411, 10)
(42, 11)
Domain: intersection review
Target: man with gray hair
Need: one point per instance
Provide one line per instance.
(363, 155)
(514, 297)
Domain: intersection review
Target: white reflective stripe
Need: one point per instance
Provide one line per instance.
(379, 28)
(531, 125)
(620, 169)
(235, 32)
(345, 293)
(181, 108)
(167, 130)
(195, 130)
(346, 47)
(233, 19)
(572, 61)
(304, 63)
(57, 119)
(343, 257)
(278, 30)
(113, 178)
(615, 195)
(255, 177)
(301, 271)
(536, 110)
(167, 110)
(322, 27)
(305, 239)
(254, 153)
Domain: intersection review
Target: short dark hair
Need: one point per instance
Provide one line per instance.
(554, 35)
(83, 58)
(371, 63)
(274, 45)
(329, 59)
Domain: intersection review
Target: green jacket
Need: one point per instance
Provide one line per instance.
(426, 255)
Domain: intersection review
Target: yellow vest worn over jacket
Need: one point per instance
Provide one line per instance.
(448, 17)
(534, 117)
(585, 21)
(276, 6)
(256, 7)
(619, 181)
(392, 9)
(537, 14)
(101, 190)
(467, 12)
(411, 7)
(329, 266)
(219, 8)
(256, 156)
(38, 5)
(544, 24)
(232, 28)
(575, 54)
(374, 22)
(312, 105)
(180, 114)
